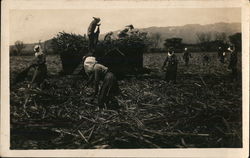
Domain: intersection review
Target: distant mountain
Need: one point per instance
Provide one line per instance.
(187, 32)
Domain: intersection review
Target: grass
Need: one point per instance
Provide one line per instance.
(202, 110)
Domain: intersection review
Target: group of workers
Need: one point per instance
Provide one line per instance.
(97, 72)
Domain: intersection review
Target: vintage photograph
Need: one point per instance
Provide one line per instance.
(127, 78)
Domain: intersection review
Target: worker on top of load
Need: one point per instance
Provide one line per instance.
(40, 67)
(108, 36)
(233, 63)
(171, 62)
(109, 87)
(125, 31)
(186, 56)
(219, 52)
(91, 32)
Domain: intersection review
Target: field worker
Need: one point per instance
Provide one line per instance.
(233, 63)
(108, 36)
(123, 33)
(205, 60)
(219, 52)
(40, 67)
(186, 56)
(109, 87)
(91, 32)
(221, 55)
(172, 61)
(130, 27)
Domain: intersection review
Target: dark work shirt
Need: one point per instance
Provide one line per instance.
(92, 26)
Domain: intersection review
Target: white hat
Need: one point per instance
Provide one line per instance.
(37, 47)
(170, 54)
(89, 64)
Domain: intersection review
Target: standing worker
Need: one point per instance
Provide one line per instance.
(109, 88)
(91, 32)
(219, 52)
(40, 67)
(108, 36)
(96, 35)
(186, 56)
(125, 32)
(233, 63)
(172, 61)
(221, 55)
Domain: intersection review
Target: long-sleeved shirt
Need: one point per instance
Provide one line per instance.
(186, 55)
(171, 60)
(40, 58)
(99, 72)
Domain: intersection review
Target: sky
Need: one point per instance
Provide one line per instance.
(31, 26)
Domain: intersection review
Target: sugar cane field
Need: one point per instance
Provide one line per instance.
(202, 110)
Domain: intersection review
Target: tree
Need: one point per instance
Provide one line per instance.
(220, 40)
(156, 39)
(204, 39)
(220, 36)
(176, 43)
(19, 46)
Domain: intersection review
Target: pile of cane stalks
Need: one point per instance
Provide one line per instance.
(197, 112)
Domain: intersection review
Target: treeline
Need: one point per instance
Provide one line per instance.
(206, 42)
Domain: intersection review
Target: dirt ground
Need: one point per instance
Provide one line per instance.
(203, 110)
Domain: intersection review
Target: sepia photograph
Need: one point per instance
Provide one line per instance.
(125, 78)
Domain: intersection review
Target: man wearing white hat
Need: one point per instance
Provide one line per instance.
(40, 67)
(171, 62)
(186, 56)
(91, 32)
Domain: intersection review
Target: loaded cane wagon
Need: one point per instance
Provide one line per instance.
(122, 56)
